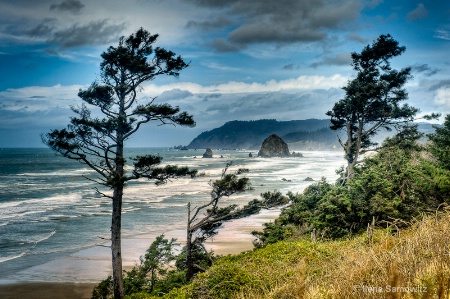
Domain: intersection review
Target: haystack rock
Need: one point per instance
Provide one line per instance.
(274, 146)
(208, 153)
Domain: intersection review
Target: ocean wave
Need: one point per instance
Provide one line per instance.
(167, 205)
(12, 257)
(55, 200)
(74, 172)
(11, 204)
(23, 253)
(46, 237)
(132, 209)
(61, 217)
(4, 223)
(89, 214)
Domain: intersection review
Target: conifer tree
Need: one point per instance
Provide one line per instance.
(440, 143)
(372, 100)
(99, 141)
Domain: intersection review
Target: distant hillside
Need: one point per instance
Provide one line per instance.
(309, 134)
(251, 134)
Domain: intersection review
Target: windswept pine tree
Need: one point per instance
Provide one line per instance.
(373, 100)
(99, 142)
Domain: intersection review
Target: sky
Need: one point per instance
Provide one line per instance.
(249, 60)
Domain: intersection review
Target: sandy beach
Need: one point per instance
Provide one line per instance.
(45, 290)
(87, 267)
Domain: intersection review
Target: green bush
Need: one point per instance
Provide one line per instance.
(440, 143)
(397, 184)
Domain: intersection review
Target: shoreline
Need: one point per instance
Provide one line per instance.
(89, 266)
(47, 290)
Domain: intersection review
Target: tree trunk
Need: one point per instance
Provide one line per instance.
(349, 155)
(350, 171)
(116, 223)
(189, 263)
(116, 242)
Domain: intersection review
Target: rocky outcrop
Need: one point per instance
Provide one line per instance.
(273, 146)
(294, 154)
(208, 153)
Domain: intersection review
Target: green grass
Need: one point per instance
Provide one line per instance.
(415, 263)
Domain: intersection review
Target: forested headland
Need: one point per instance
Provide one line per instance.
(308, 134)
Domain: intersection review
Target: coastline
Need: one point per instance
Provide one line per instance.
(47, 290)
(89, 266)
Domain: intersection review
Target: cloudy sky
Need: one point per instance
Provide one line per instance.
(272, 59)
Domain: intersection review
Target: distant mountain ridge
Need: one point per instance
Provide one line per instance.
(250, 134)
(308, 134)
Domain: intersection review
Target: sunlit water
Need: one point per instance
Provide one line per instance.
(48, 209)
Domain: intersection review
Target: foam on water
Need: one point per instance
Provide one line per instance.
(8, 258)
(49, 212)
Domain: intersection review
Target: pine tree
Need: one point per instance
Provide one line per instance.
(99, 142)
(372, 100)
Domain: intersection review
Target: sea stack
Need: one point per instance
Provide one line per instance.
(208, 153)
(274, 146)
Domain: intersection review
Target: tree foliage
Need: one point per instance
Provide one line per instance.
(395, 185)
(372, 100)
(200, 228)
(96, 136)
(148, 276)
(440, 143)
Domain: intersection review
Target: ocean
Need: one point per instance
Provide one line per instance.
(49, 210)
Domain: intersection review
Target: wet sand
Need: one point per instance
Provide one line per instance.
(43, 290)
(84, 269)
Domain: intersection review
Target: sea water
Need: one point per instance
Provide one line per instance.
(50, 209)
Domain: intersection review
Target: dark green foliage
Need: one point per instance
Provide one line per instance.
(273, 199)
(440, 146)
(397, 184)
(132, 56)
(406, 139)
(202, 259)
(272, 233)
(372, 100)
(104, 289)
(200, 229)
(299, 216)
(148, 277)
(147, 167)
(156, 259)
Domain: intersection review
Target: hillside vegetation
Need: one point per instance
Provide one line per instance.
(382, 230)
(413, 263)
(385, 234)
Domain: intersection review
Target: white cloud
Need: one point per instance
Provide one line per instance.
(443, 33)
(39, 98)
(293, 84)
(211, 105)
(442, 97)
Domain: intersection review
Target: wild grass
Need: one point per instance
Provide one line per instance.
(412, 263)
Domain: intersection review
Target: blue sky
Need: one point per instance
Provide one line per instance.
(284, 59)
